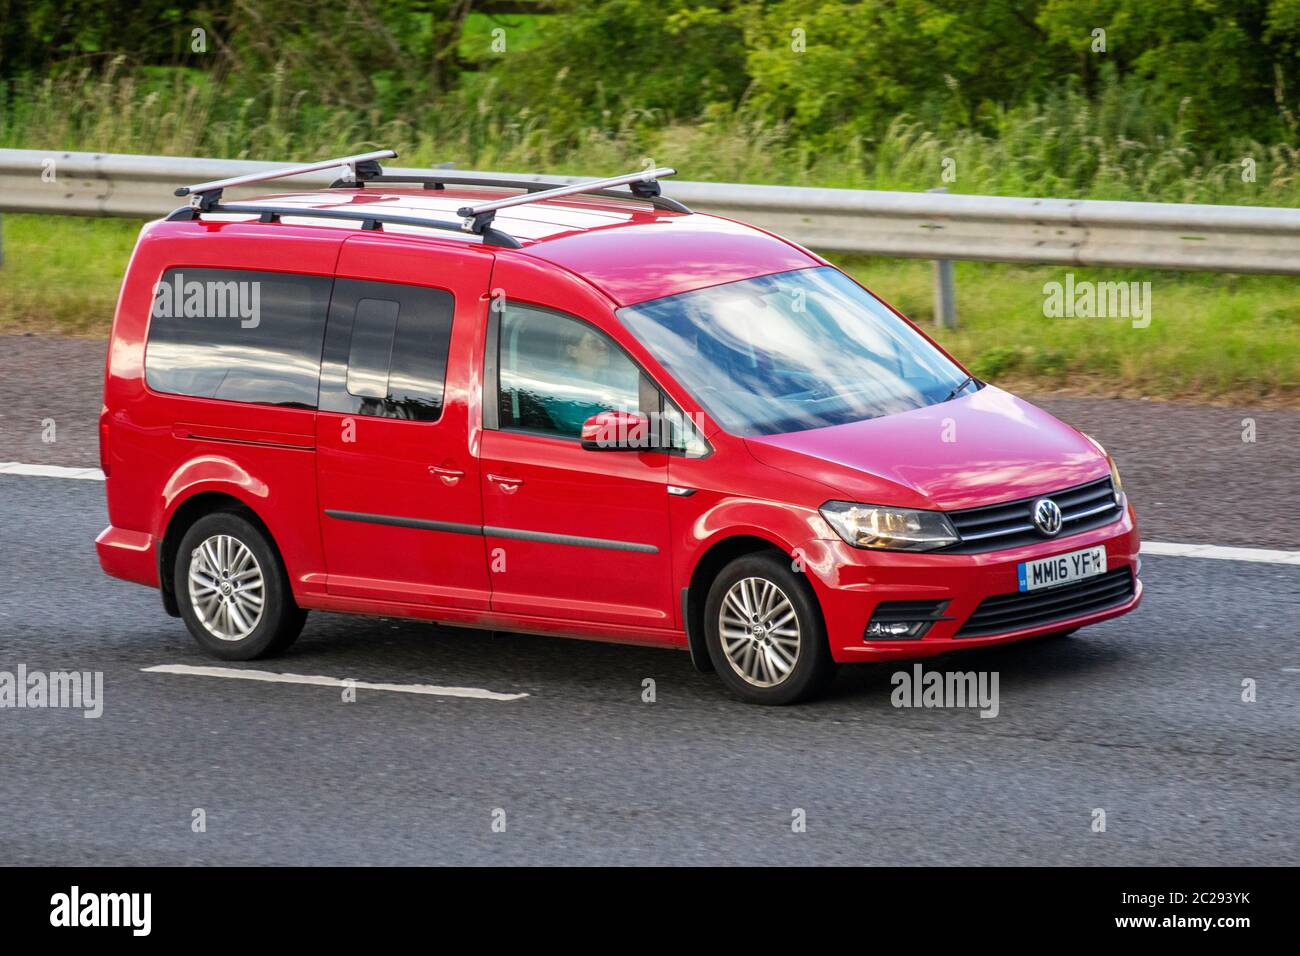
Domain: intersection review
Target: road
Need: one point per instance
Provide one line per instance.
(1141, 717)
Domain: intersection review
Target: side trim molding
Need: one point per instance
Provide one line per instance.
(548, 537)
(421, 523)
(517, 534)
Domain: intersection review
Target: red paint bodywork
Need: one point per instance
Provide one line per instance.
(586, 257)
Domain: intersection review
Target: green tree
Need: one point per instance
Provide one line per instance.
(1229, 67)
(37, 33)
(597, 57)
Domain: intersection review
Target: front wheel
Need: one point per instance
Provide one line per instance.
(233, 591)
(765, 634)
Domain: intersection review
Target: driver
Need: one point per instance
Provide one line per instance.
(602, 381)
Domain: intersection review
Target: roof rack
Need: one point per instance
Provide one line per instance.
(364, 167)
(644, 185)
(440, 179)
(204, 196)
(369, 217)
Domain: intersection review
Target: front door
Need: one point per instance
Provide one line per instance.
(399, 488)
(571, 534)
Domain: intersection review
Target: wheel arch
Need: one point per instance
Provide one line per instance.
(183, 516)
(710, 563)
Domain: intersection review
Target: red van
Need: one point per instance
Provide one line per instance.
(575, 410)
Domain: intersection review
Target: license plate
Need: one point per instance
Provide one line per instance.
(1062, 568)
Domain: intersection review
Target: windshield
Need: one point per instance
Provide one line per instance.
(792, 351)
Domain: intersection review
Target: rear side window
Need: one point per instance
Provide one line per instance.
(237, 335)
(386, 350)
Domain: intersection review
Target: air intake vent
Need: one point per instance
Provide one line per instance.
(1015, 612)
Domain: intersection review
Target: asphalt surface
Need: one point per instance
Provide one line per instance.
(1141, 717)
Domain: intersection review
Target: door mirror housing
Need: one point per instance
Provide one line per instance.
(618, 431)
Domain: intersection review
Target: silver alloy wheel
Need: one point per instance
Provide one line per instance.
(759, 631)
(227, 590)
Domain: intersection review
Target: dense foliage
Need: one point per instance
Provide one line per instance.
(1088, 93)
(1229, 65)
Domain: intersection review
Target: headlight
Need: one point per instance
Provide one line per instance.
(1114, 478)
(1114, 469)
(889, 529)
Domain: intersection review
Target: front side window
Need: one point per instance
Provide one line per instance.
(237, 335)
(555, 372)
(792, 351)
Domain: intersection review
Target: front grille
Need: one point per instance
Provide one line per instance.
(1009, 525)
(1014, 612)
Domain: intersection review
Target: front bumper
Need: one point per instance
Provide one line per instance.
(851, 582)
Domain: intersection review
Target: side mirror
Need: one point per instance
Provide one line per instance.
(617, 431)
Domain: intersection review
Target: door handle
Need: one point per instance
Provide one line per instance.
(508, 485)
(448, 474)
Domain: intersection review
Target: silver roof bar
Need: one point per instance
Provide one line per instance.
(369, 215)
(205, 195)
(364, 167)
(644, 185)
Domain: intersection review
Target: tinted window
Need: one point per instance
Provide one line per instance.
(371, 351)
(386, 350)
(556, 372)
(238, 335)
(792, 351)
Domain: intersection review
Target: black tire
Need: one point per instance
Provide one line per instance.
(280, 621)
(812, 668)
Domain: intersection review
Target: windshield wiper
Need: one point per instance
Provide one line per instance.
(957, 391)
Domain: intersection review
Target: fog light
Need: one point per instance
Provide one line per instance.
(892, 628)
(903, 620)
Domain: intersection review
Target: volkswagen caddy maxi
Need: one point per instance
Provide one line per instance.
(575, 410)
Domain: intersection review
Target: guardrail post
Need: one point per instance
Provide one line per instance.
(945, 288)
(945, 295)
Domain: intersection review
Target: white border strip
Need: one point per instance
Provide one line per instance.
(237, 673)
(1260, 555)
(50, 471)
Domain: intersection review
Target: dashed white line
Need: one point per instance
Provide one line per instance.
(1158, 548)
(50, 471)
(1220, 553)
(237, 673)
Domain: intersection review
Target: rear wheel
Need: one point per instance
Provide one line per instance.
(233, 591)
(765, 634)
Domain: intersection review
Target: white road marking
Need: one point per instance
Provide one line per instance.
(50, 471)
(237, 673)
(1261, 555)
(1160, 548)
